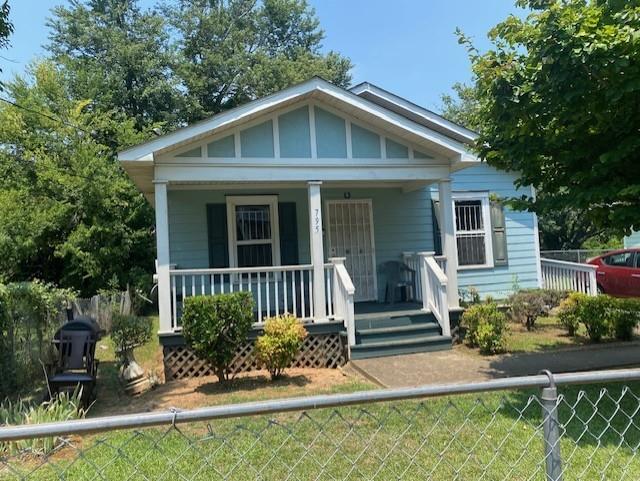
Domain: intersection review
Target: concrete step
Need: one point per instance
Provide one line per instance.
(380, 334)
(401, 346)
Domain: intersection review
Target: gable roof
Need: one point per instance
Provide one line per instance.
(414, 112)
(447, 140)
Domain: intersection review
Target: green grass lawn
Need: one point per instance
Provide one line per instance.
(494, 436)
(547, 334)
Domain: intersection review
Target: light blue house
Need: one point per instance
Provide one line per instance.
(356, 210)
(632, 240)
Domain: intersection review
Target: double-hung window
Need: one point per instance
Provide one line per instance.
(253, 231)
(473, 229)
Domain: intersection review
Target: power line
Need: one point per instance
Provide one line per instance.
(45, 115)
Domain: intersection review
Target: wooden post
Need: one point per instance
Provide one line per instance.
(162, 245)
(448, 237)
(317, 251)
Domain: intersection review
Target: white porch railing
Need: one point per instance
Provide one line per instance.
(434, 290)
(343, 295)
(414, 262)
(276, 290)
(569, 276)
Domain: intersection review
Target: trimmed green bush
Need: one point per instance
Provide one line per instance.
(568, 313)
(601, 316)
(486, 328)
(625, 317)
(214, 327)
(278, 346)
(128, 331)
(594, 315)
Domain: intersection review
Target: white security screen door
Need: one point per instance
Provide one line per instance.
(350, 235)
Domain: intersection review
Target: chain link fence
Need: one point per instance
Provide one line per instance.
(541, 427)
(581, 256)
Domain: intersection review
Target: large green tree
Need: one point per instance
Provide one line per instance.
(561, 227)
(6, 27)
(232, 51)
(559, 95)
(69, 214)
(120, 57)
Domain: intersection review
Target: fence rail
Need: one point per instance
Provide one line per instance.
(569, 276)
(504, 433)
(574, 255)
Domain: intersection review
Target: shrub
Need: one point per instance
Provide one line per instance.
(528, 304)
(30, 313)
(624, 318)
(568, 313)
(282, 340)
(128, 331)
(594, 315)
(486, 328)
(216, 326)
(64, 407)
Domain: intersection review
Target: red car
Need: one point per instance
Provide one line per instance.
(618, 272)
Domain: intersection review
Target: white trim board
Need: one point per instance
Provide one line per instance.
(368, 90)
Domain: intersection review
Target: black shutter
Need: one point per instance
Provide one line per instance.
(288, 233)
(498, 234)
(437, 239)
(218, 236)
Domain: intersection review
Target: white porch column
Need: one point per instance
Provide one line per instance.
(317, 250)
(448, 240)
(162, 247)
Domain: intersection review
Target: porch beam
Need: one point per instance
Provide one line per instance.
(162, 247)
(317, 251)
(448, 240)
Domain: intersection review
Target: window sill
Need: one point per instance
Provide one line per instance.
(476, 268)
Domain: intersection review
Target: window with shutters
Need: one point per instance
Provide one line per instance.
(473, 229)
(253, 231)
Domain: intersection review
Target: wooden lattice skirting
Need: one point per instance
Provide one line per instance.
(319, 351)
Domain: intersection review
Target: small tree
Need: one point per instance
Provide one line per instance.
(127, 333)
(282, 340)
(216, 326)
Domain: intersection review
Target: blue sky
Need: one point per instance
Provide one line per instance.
(407, 47)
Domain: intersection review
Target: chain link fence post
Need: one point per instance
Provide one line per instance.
(551, 429)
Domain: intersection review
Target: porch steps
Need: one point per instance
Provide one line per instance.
(395, 333)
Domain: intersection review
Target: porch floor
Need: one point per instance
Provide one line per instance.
(371, 310)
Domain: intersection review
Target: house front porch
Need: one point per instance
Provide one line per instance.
(336, 249)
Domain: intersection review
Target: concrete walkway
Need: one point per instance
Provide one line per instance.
(462, 365)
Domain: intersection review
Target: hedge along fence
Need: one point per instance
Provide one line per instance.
(30, 313)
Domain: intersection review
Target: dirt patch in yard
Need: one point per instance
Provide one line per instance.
(207, 391)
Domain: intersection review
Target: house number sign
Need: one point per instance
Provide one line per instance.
(316, 221)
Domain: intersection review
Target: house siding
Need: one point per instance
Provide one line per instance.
(522, 244)
(632, 240)
(402, 223)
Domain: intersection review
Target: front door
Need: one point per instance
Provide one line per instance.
(350, 235)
